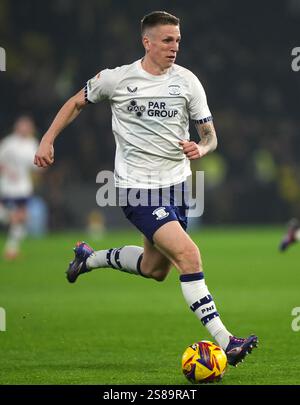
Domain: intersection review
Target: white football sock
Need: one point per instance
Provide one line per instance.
(126, 258)
(16, 233)
(297, 234)
(201, 302)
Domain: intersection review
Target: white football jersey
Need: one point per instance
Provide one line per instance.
(16, 162)
(150, 115)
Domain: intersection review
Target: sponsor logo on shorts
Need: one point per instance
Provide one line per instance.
(160, 213)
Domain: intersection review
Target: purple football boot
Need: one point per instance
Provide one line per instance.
(78, 265)
(238, 348)
(289, 237)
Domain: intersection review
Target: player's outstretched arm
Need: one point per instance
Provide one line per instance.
(45, 154)
(208, 142)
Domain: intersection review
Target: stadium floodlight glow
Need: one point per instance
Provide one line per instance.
(2, 60)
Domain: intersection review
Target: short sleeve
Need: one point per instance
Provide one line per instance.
(101, 86)
(198, 108)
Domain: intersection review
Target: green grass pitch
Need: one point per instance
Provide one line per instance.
(115, 328)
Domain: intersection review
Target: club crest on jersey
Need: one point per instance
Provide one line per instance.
(174, 90)
(134, 107)
(160, 213)
(132, 89)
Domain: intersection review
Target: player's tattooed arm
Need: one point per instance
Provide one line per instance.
(208, 137)
(208, 141)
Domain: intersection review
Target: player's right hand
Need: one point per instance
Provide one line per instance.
(44, 156)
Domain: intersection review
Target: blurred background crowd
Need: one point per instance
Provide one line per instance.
(240, 51)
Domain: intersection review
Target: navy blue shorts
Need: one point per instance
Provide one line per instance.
(12, 203)
(149, 209)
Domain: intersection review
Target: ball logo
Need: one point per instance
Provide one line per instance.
(160, 213)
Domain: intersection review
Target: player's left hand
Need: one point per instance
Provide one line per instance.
(192, 150)
(44, 156)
